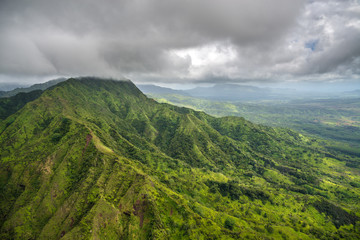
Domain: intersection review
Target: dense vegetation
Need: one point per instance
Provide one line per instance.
(337, 120)
(98, 159)
(12, 104)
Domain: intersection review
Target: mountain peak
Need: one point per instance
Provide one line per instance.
(97, 84)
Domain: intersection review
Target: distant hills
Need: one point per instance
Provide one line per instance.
(95, 158)
(10, 105)
(235, 92)
(355, 93)
(224, 92)
(160, 90)
(6, 86)
(38, 86)
(231, 92)
(218, 92)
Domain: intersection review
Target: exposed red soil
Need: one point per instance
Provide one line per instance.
(88, 139)
(72, 222)
(140, 209)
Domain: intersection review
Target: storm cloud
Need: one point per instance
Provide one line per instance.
(181, 41)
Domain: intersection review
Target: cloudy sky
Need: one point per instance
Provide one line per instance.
(181, 41)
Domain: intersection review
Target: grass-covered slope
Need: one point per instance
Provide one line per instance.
(97, 159)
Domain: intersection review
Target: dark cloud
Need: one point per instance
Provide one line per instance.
(188, 40)
(336, 30)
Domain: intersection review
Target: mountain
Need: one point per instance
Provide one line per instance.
(9, 86)
(330, 118)
(354, 93)
(96, 159)
(230, 92)
(153, 89)
(38, 86)
(224, 92)
(244, 93)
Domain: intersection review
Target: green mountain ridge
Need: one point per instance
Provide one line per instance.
(97, 159)
(335, 119)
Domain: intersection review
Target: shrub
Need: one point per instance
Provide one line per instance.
(229, 223)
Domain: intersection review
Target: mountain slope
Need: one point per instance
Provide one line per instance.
(97, 159)
(336, 120)
(12, 104)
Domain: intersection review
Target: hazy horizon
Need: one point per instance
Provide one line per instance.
(320, 87)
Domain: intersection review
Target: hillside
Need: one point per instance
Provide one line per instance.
(97, 159)
(335, 119)
(10, 105)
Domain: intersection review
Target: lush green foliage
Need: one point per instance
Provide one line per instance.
(337, 120)
(11, 105)
(97, 159)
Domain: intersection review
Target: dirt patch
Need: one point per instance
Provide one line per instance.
(88, 139)
(46, 167)
(152, 184)
(140, 208)
(72, 222)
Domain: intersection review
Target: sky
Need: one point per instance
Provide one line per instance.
(181, 42)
